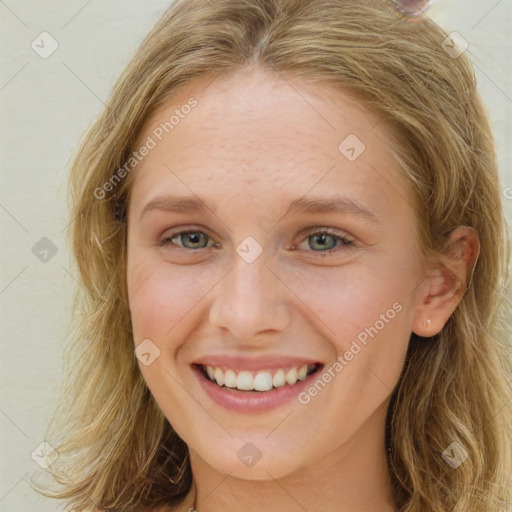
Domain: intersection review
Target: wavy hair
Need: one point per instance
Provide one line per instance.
(117, 451)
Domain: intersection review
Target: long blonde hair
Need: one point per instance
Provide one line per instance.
(116, 448)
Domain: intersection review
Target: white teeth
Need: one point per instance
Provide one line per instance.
(245, 381)
(291, 376)
(260, 381)
(219, 376)
(302, 373)
(279, 379)
(229, 379)
(263, 381)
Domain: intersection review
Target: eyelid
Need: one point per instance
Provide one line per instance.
(347, 242)
(165, 237)
(324, 229)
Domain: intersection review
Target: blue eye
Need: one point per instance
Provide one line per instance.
(188, 239)
(327, 242)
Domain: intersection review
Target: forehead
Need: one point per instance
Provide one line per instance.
(269, 136)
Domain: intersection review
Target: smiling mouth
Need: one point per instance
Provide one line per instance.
(262, 380)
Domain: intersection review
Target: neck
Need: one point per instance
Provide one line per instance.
(354, 477)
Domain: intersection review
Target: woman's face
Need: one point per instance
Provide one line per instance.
(270, 235)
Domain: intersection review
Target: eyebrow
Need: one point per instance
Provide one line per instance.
(328, 204)
(332, 204)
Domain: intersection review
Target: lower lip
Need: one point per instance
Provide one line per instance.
(252, 401)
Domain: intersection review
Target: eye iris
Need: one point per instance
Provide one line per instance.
(322, 237)
(194, 237)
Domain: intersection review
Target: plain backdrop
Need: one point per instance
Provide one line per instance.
(46, 104)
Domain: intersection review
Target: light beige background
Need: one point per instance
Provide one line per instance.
(46, 105)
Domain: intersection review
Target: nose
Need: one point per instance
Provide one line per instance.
(250, 300)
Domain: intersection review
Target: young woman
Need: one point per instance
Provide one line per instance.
(290, 236)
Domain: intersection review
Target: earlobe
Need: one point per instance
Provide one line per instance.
(436, 304)
(447, 282)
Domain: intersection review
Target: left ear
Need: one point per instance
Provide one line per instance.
(446, 284)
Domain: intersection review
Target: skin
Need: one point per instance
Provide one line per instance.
(253, 144)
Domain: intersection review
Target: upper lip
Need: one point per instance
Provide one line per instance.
(269, 362)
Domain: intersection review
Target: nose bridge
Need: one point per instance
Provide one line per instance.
(249, 299)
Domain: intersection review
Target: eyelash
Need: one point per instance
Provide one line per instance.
(344, 241)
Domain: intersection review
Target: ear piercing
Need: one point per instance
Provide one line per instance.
(428, 322)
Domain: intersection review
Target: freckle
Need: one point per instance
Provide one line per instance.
(250, 181)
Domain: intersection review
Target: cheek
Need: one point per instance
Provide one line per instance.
(160, 297)
(348, 300)
(367, 316)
